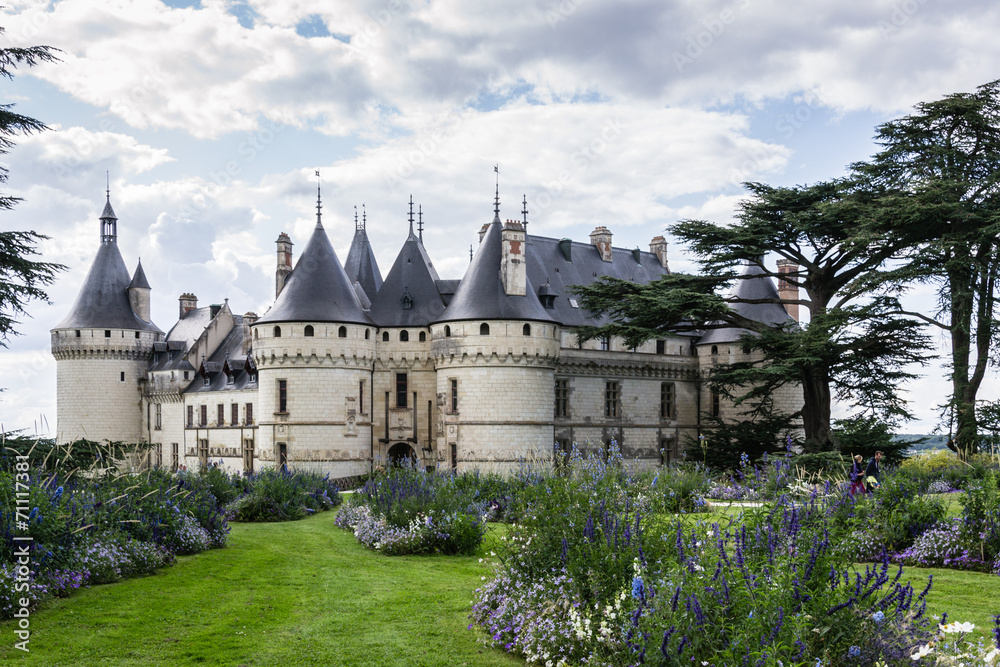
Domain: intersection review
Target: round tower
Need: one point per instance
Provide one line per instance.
(314, 350)
(103, 348)
(495, 349)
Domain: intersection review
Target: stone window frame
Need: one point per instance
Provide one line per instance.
(562, 392)
(668, 400)
(613, 399)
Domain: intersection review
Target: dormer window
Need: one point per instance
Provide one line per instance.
(405, 301)
(208, 380)
(230, 378)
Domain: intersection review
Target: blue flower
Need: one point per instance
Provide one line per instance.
(638, 588)
(878, 617)
(854, 652)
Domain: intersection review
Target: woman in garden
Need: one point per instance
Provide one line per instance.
(858, 475)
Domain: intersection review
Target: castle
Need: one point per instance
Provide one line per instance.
(346, 369)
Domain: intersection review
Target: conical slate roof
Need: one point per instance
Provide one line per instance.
(481, 296)
(139, 278)
(361, 266)
(317, 289)
(753, 286)
(108, 213)
(103, 301)
(412, 279)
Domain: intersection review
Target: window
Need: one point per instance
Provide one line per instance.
(123, 376)
(207, 381)
(186, 376)
(612, 399)
(230, 379)
(367, 333)
(342, 332)
(136, 334)
(107, 333)
(361, 397)
(666, 400)
(283, 455)
(283, 396)
(77, 333)
(484, 329)
(248, 454)
(400, 390)
(255, 334)
(562, 398)
(423, 336)
(277, 332)
(234, 412)
(190, 416)
(526, 330)
(661, 347)
(605, 343)
(203, 416)
(159, 455)
(203, 452)
(158, 412)
(447, 331)
(249, 413)
(175, 457)
(404, 336)
(715, 350)
(716, 403)
(309, 331)
(385, 336)
(454, 395)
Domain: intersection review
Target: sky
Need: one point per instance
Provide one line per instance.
(211, 118)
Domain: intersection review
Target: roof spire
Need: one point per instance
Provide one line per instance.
(364, 216)
(107, 176)
(411, 215)
(470, 253)
(356, 225)
(319, 202)
(420, 222)
(524, 212)
(109, 221)
(496, 200)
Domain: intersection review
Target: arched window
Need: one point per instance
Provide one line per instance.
(309, 330)
(385, 336)
(404, 336)
(342, 332)
(423, 336)
(715, 350)
(526, 330)
(277, 332)
(367, 333)
(447, 331)
(484, 329)
(255, 334)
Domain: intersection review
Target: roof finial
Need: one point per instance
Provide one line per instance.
(470, 253)
(496, 201)
(411, 215)
(319, 202)
(524, 212)
(356, 225)
(420, 222)
(364, 216)
(107, 175)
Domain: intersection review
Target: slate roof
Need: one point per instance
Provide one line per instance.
(103, 301)
(190, 327)
(481, 295)
(227, 356)
(414, 275)
(756, 285)
(317, 289)
(360, 265)
(550, 271)
(139, 278)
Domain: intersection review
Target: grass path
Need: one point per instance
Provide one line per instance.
(299, 593)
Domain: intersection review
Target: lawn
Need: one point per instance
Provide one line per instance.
(299, 593)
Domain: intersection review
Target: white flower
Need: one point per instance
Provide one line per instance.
(921, 652)
(992, 655)
(955, 626)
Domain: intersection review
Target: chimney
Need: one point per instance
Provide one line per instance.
(284, 263)
(188, 302)
(787, 290)
(482, 231)
(658, 246)
(138, 294)
(601, 238)
(248, 320)
(513, 269)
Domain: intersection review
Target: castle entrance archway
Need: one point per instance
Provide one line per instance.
(402, 454)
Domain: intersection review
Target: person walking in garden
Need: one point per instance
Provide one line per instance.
(858, 475)
(874, 472)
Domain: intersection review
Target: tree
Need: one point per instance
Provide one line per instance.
(854, 345)
(21, 278)
(939, 170)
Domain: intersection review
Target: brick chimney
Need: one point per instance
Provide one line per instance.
(284, 262)
(513, 270)
(248, 320)
(188, 302)
(658, 246)
(788, 290)
(601, 238)
(482, 231)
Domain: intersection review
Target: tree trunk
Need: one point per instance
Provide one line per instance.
(963, 401)
(816, 410)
